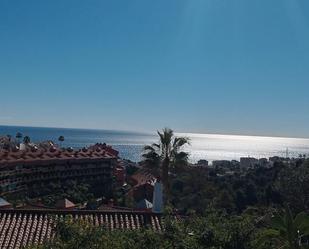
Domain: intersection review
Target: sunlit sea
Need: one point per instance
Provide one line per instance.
(203, 146)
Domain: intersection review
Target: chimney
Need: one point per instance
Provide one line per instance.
(157, 198)
(22, 146)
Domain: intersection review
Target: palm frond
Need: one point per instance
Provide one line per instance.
(151, 155)
(151, 160)
(270, 233)
(166, 136)
(148, 148)
(287, 230)
(180, 159)
(278, 223)
(181, 141)
(155, 145)
(161, 136)
(301, 219)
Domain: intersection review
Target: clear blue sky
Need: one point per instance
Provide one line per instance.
(211, 66)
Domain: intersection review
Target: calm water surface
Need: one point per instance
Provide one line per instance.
(203, 146)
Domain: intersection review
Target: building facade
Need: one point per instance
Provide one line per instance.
(23, 169)
(248, 162)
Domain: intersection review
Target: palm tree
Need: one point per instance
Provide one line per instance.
(61, 139)
(19, 136)
(160, 157)
(26, 140)
(287, 231)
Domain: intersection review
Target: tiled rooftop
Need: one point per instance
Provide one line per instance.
(32, 155)
(19, 228)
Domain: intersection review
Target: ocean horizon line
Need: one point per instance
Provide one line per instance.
(151, 133)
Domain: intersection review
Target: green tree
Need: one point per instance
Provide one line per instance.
(293, 186)
(160, 157)
(287, 231)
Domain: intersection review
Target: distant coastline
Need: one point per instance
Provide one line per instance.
(203, 146)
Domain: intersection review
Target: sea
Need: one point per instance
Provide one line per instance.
(202, 146)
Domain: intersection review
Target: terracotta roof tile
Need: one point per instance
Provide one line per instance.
(29, 156)
(20, 228)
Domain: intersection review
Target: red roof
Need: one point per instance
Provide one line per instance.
(105, 147)
(54, 154)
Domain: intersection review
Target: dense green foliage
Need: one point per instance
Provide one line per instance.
(76, 192)
(287, 231)
(48, 194)
(211, 231)
(194, 189)
(244, 210)
(293, 185)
